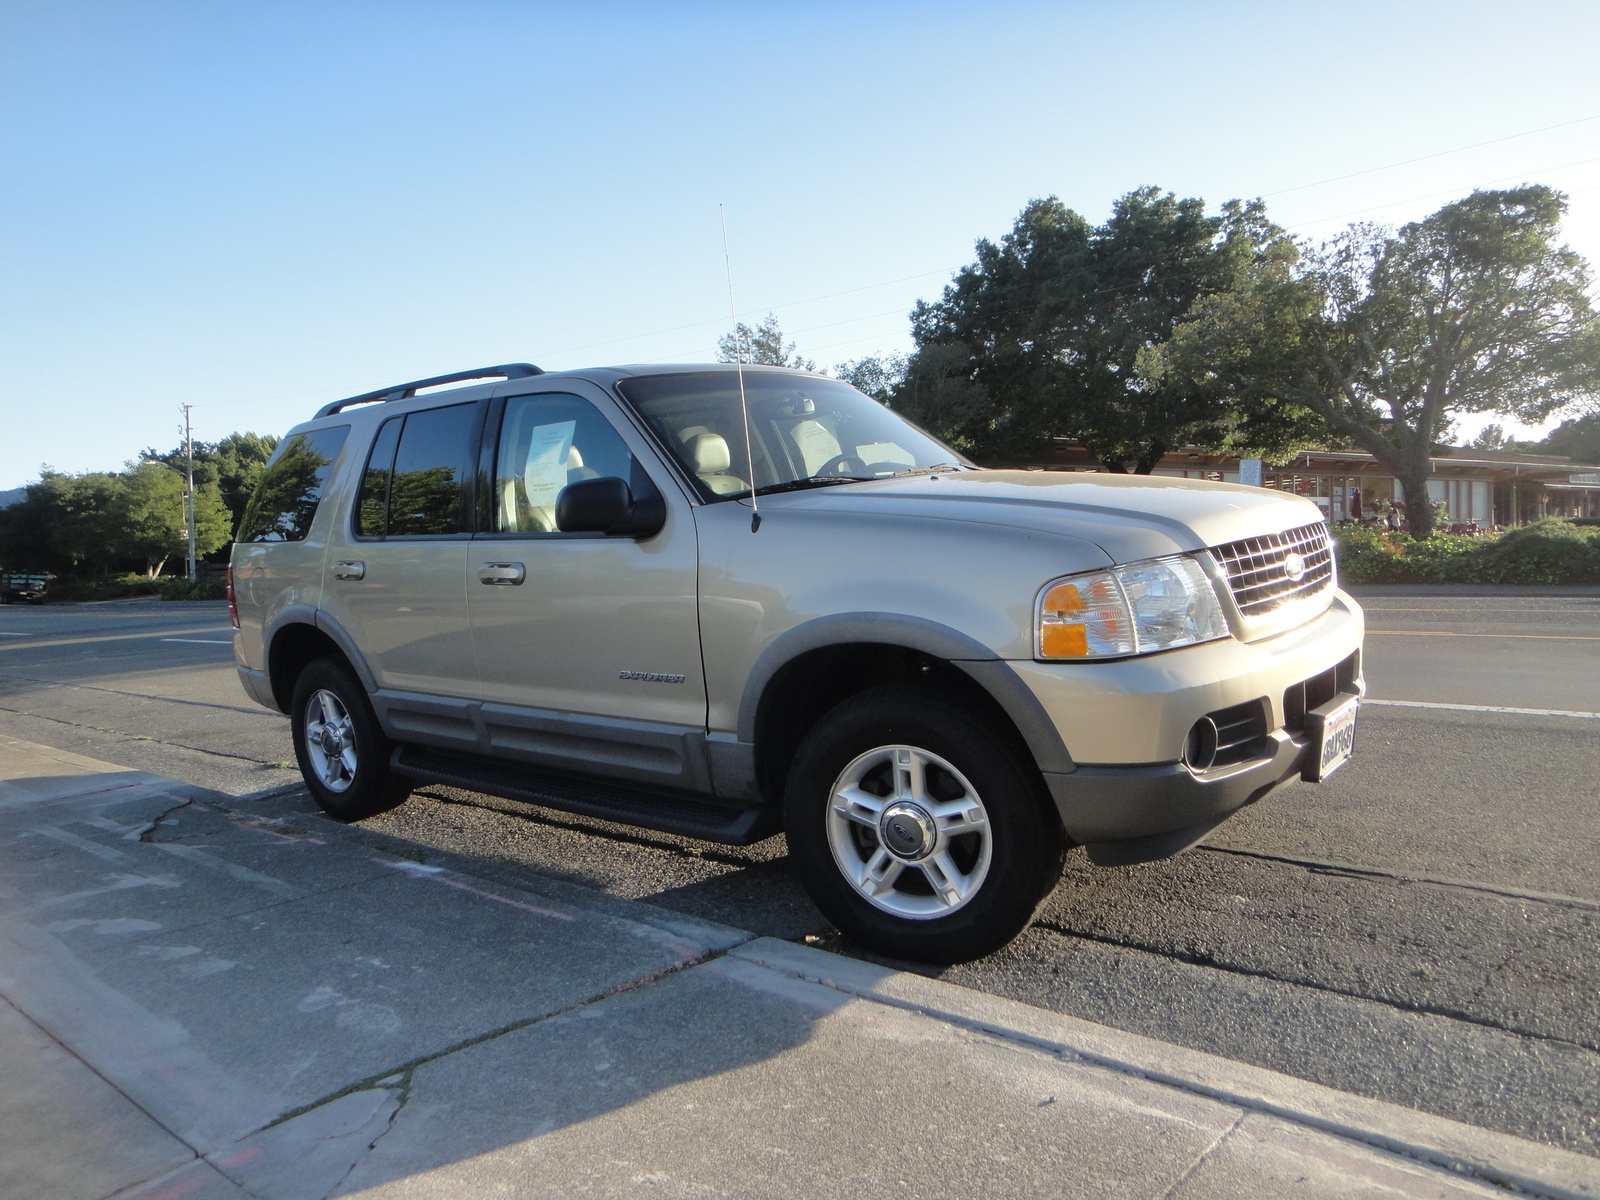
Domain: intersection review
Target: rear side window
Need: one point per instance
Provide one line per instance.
(372, 509)
(291, 487)
(416, 474)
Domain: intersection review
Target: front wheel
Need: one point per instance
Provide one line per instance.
(342, 752)
(917, 831)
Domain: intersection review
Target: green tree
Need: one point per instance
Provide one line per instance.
(878, 376)
(1383, 335)
(764, 345)
(145, 519)
(233, 465)
(1577, 439)
(1060, 328)
(1490, 437)
(62, 524)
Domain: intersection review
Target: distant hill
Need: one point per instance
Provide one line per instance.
(7, 499)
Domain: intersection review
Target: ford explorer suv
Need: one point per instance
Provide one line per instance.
(728, 602)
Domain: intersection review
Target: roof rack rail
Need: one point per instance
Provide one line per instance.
(404, 391)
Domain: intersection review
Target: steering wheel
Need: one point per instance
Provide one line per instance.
(831, 467)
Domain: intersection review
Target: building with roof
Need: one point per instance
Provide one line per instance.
(1486, 489)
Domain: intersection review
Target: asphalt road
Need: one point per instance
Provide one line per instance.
(1422, 928)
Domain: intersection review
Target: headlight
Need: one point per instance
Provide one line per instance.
(1158, 604)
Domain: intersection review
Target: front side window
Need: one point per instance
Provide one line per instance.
(291, 487)
(803, 431)
(546, 443)
(416, 474)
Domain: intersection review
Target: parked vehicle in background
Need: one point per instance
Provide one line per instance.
(28, 586)
(728, 603)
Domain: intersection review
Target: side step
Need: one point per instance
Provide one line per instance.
(650, 810)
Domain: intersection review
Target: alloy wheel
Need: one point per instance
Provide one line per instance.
(909, 832)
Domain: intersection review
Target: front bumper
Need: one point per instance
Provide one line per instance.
(1126, 723)
(1115, 804)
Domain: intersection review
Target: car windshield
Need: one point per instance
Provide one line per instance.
(805, 431)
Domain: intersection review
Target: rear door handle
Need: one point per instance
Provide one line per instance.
(349, 570)
(502, 574)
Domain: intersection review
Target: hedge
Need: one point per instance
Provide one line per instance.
(131, 586)
(1548, 551)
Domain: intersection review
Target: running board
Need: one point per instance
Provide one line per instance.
(648, 809)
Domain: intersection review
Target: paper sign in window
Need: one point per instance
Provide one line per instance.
(547, 462)
(885, 452)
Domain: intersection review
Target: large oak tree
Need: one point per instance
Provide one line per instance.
(1384, 335)
(1056, 331)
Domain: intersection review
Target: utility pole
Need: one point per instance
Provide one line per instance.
(188, 487)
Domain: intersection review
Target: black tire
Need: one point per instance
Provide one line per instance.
(990, 895)
(348, 773)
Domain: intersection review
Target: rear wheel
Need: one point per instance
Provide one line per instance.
(343, 754)
(920, 832)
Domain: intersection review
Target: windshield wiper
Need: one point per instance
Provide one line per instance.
(811, 481)
(933, 470)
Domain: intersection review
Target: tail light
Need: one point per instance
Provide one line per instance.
(233, 601)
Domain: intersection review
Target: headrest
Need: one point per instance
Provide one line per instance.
(709, 453)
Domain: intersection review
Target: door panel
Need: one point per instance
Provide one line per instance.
(605, 626)
(399, 586)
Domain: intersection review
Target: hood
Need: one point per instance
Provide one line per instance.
(1127, 516)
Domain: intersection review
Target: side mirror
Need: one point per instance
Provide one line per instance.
(607, 506)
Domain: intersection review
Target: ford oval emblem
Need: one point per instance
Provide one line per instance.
(1294, 566)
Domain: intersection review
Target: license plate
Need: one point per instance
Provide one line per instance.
(1333, 737)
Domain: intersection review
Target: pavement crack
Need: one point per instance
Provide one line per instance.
(89, 687)
(1352, 871)
(1211, 962)
(402, 1087)
(407, 1069)
(149, 834)
(133, 737)
(1204, 1156)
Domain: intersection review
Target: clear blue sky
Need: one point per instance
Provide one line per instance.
(256, 207)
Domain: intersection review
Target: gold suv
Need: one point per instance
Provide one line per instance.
(730, 602)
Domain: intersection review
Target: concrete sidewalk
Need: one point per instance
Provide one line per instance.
(212, 997)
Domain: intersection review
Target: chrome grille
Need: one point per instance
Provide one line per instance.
(1256, 571)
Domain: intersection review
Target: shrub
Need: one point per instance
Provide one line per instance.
(1549, 551)
(1369, 555)
(212, 588)
(133, 585)
(106, 587)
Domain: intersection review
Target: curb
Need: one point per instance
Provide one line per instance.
(1468, 1151)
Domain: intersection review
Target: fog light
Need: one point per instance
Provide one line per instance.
(1202, 749)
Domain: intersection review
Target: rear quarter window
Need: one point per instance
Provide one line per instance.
(286, 500)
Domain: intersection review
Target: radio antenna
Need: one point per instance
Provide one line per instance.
(738, 358)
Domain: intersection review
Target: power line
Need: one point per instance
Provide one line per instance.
(1406, 162)
(1446, 192)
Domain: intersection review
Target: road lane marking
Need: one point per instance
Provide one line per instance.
(5, 634)
(200, 641)
(106, 637)
(1493, 708)
(232, 870)
(109, 853)
(1538, 637)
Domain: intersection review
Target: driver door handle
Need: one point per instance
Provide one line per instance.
(502, 574)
